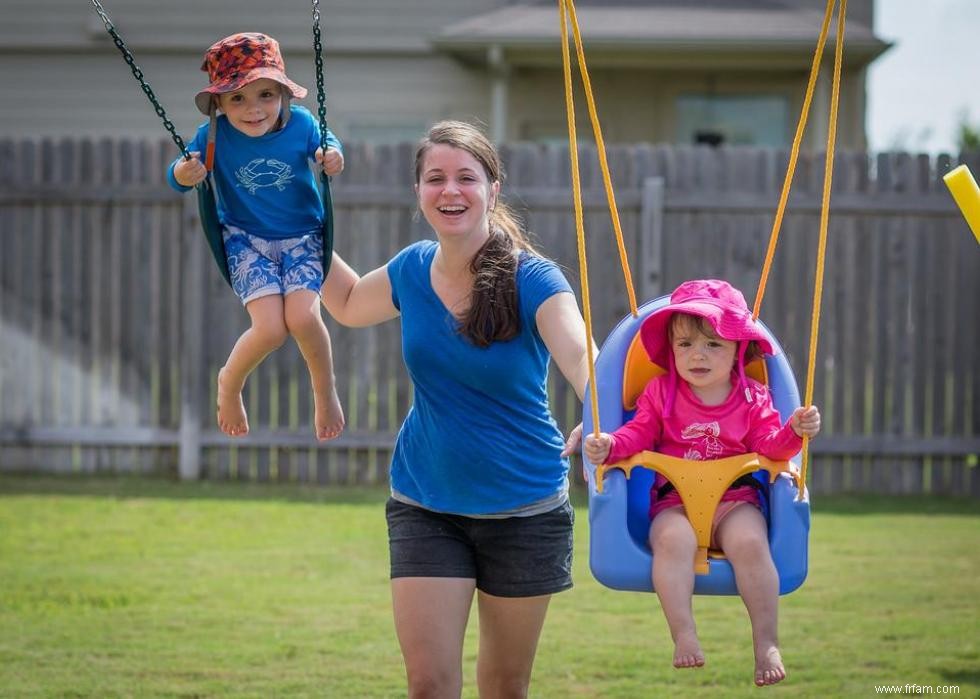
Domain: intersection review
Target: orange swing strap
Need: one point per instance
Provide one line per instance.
(567, 12)
(692, 478)
(825, 201)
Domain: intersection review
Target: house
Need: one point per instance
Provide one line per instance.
(712, 71)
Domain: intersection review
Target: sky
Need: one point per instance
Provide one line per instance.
(919, 88)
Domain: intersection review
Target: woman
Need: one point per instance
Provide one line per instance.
(479, 472)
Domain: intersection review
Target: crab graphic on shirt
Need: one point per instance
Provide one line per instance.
(705, 435)
(263, 172)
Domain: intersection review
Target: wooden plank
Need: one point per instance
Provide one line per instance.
(81, 408)
(85, 193)
(277, 413)
(138, 327)
(904, 272)
(111, 292)
(890, 445)
(948, 366)
(260, 387)
(172, 279)
(46, 245)
(35, 284)
(875, 341)
(920, 353)
(371, 367)
(651, 275)
(84, 435)
(155, 297)
(8, 218)
(850, 361)
(15, 392)
(192, 353)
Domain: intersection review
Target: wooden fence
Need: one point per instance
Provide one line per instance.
(114, 321)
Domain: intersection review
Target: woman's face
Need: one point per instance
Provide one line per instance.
(454, 193)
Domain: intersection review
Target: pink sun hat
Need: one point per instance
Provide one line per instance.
(718, 302)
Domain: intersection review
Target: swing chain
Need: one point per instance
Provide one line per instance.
(138, 74)
(318, 56)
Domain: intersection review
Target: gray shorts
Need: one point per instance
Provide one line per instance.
(509, 557)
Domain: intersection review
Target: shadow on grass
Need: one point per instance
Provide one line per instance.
(895, 504)
(961, 678)
(141, 486)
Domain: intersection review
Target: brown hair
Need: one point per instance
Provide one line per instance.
(493, 313)
(701, 325)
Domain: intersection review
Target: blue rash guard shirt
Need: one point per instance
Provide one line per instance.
(264, 183)
(479, 438)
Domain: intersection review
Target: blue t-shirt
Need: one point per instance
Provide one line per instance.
(264, 183)
(479, 438)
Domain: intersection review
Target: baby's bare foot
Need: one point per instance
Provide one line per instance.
(328, 416)
(231, 409)
(687, 651)
(769, 667)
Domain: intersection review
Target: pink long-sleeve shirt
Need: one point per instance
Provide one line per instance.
(697, 432)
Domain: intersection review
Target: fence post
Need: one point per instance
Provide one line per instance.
(192, 280)
(651, 238)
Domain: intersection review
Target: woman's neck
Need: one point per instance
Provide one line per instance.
(454, 256)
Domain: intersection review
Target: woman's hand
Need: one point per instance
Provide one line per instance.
(574, 442)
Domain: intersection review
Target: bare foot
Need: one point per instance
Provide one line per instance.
(328, 416)
(231, 409)
(687, 651)
(769, 667)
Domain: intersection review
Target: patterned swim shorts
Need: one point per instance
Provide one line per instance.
(263, 267)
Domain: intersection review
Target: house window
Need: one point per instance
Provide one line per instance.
(756, 120)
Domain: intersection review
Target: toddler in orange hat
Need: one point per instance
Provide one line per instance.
(271, 214)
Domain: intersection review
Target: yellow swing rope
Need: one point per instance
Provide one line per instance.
(567, 10)
(825, 202)
(583, 267)
(793, 156)
(824, 224)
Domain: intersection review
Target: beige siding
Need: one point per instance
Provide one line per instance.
(639, 105)
(357, 25)
(63, 76)
(380, 91)
(859, 10)
(97, 96)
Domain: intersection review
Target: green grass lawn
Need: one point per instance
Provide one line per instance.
(141, 588)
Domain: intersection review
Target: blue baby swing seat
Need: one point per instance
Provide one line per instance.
(619, 495)
(619, 553)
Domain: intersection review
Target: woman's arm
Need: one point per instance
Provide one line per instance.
(561, 327)
(357, 301)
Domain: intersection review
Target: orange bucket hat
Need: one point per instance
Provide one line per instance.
(240, 59)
